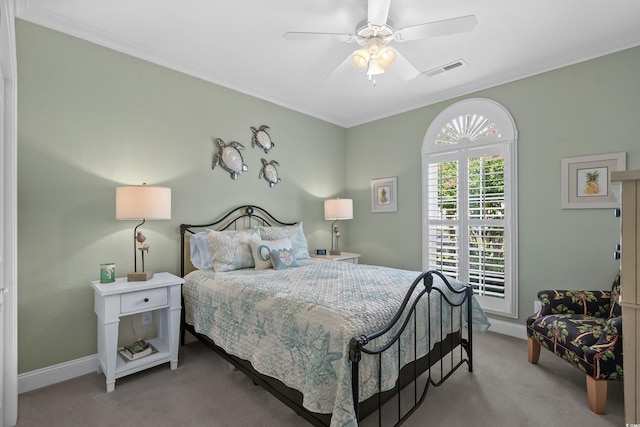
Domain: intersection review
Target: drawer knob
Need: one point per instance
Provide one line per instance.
(146, 300)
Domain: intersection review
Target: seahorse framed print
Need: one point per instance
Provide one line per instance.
(586, 181)
(384, 194)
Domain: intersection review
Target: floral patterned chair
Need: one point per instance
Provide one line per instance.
(585, 329)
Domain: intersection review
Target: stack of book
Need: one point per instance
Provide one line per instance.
(138, 349)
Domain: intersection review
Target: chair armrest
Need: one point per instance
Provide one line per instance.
(614, 326)
(607, 351)
(572, 301)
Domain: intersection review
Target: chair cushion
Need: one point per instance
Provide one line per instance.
(581, 340)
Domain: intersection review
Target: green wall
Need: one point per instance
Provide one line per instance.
(91, 119)
(588, 108)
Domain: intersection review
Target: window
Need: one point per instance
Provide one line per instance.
(469, 201)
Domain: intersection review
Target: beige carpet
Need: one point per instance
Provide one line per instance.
(504, 390)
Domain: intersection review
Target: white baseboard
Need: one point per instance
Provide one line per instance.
(65, 371)
(57, 373)
(508, 328)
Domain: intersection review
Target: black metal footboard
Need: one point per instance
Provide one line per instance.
(422, 372)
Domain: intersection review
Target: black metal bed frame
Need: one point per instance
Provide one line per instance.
(358, 344)
(417, 371)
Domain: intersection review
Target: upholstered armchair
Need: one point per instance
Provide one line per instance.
(585, 329)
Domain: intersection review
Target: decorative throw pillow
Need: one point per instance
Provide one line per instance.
(283, 258)
(261, 251)
(291, 232)
(230, 249)
(199, 251)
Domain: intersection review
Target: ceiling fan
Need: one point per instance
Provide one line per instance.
(375, 33)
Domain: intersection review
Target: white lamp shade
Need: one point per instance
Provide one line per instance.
(143, 202)
(336, 209)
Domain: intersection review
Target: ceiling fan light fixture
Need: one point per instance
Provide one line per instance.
(360, 59)
(374, 67)
(386, 56)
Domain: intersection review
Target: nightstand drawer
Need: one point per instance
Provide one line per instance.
(143, 300)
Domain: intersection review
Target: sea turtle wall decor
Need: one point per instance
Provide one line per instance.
(269, 172)
(229, 158)
(262, 139)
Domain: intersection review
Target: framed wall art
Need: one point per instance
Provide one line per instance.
(384, 194)
(586, 181)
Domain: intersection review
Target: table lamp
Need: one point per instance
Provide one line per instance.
(337, 210)
(142, 202)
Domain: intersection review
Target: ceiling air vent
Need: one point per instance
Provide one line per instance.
(457, 64)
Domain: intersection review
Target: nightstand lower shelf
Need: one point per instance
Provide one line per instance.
(162, 355)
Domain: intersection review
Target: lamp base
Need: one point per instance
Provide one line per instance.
(140, 276)
(335, 253)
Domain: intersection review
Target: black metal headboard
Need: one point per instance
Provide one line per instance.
(246, 216)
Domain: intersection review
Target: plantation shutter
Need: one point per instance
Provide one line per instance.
(486, 224)
(467, 216)
(444, 219)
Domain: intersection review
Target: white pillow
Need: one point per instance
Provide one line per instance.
(260, 250)
(199, 249)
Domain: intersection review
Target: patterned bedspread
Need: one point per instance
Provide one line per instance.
(295, 324)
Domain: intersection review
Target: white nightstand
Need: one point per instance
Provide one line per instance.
(344, 256)
(122, 298)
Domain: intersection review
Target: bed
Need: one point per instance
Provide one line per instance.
(319, 334)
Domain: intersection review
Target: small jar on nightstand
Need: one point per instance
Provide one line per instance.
(344, 256)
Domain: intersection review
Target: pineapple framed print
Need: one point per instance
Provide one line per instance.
(384, 194)
(586, 181)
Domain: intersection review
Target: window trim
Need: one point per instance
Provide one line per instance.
(505, 137)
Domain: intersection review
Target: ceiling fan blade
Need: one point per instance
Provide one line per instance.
(378, 12)
(343, 67)
(403, 67)
(305, 36)
(463, 24)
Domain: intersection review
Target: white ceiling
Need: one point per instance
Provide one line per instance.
(239, 44)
